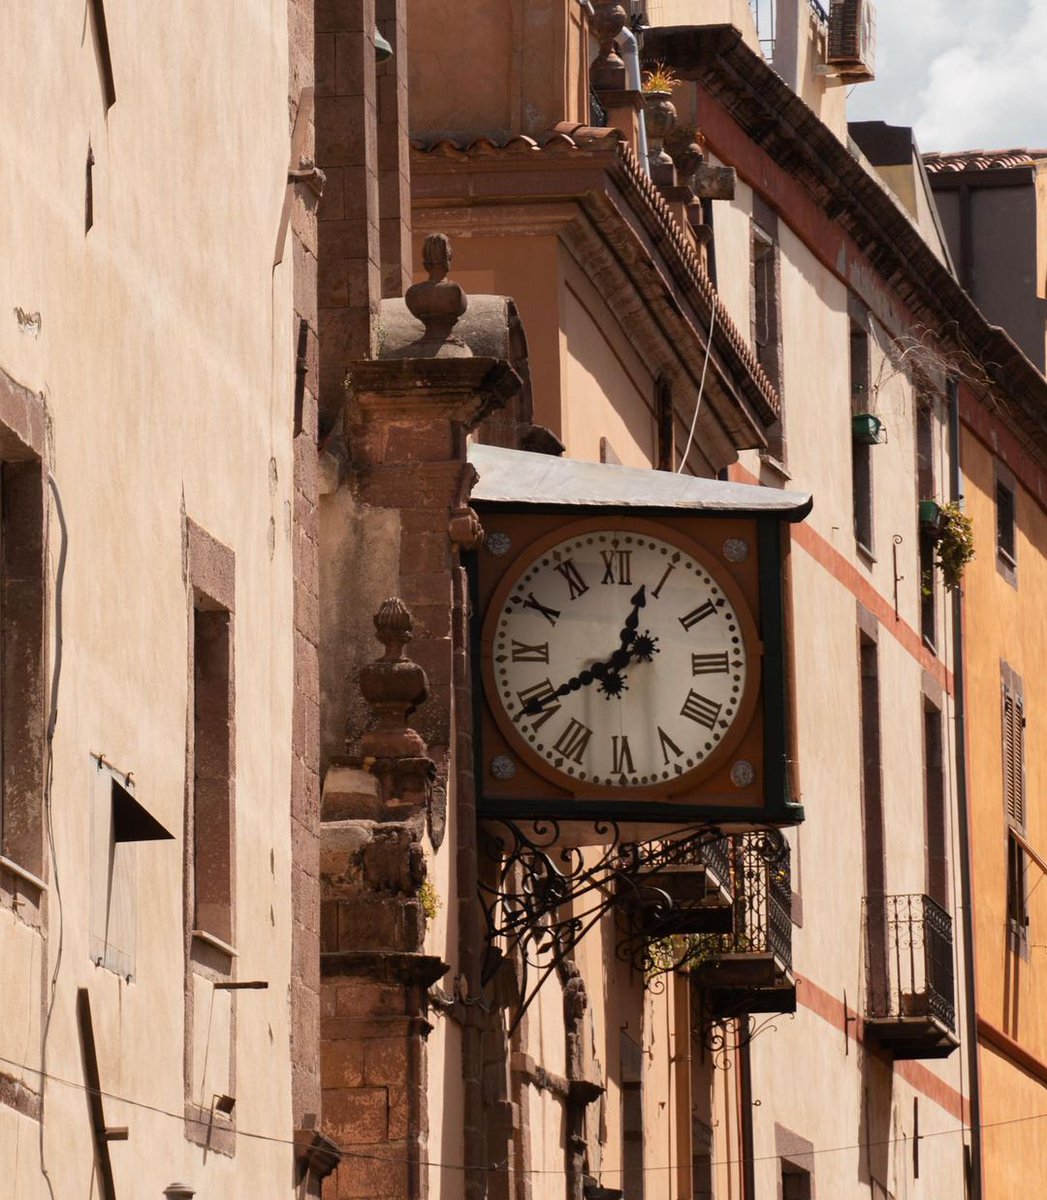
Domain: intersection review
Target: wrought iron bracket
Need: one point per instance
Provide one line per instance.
(541, 893)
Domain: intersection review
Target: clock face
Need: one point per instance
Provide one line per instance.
(620, 659)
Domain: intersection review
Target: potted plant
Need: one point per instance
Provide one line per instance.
(955, 546)
(659, 114)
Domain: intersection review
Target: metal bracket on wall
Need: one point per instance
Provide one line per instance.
(542, 894)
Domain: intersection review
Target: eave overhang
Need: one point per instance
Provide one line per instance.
(773, 117)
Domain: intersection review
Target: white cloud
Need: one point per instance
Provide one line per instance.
(967, 74)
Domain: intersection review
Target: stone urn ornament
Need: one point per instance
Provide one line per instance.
(607, 70)
(659, 116)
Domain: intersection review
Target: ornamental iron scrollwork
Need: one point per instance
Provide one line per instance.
(541, 894)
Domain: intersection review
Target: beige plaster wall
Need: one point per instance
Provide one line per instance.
(164, 355)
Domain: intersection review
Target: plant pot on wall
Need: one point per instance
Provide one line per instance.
(867, 429)
(930, 514)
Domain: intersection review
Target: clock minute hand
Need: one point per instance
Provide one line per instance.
(633, 619)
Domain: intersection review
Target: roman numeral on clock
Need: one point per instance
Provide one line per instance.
(550, 614)
(621, 756)
(536, 705)
(692, 618)
(665, 574)
(701, 709)
(667, 745)
(707, 664)
(521, 652)
(617, 566)
(574, 579)
(573, 741)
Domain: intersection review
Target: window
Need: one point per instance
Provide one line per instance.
(934, 806)
(1006, 520)
(765, 309)
(927, 489)
(1013, 712)
(796, 1183)
(209, 1060)
(212, 758)
(632, 1117)
(665, 430)
(22, 678)
(861, 450)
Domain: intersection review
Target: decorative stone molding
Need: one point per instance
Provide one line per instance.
(607, 71)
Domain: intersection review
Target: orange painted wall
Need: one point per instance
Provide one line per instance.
(1007, 623)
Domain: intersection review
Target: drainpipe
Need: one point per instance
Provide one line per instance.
(631, 57)
(962, 811)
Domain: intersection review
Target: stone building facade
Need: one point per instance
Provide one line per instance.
(261, 913)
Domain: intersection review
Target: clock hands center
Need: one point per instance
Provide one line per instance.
(609, 670)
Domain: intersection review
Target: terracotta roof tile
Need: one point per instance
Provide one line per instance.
(980, 160)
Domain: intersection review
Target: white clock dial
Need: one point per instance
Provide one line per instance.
(618, 659)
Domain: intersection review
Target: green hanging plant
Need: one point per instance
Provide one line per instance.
(955, 545)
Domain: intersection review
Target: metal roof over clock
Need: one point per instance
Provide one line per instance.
(520, 477)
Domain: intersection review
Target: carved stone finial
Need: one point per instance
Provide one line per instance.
(437, 302)
(393, 628)
(607, 71)
(394, 686)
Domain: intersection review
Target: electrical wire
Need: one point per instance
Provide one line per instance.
(503, 1166)
(49, 774)
(701, 388)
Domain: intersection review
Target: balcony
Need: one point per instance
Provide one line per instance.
(748, 969)
(910, 991)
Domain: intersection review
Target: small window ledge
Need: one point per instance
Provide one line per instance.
(865, 554)
(215, 943)
(34, 881)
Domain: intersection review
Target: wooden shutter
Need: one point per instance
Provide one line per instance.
(1014, 757)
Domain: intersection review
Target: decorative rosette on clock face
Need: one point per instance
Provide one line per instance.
(619, 659)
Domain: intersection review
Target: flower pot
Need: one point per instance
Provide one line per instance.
(930, 516)
(867, 429)
(659, 116)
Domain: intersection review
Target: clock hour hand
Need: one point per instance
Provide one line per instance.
(601, 670)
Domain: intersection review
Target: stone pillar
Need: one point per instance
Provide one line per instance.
(375, 974)
(394, 172)
(349, 269)
(406, 425)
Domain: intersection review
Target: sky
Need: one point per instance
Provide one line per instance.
(966, 74)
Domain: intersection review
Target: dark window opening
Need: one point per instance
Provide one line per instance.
(861, 451)
(665, 427)
(928, 592)
(765, 312)
(934, 807)
(1005, 522)
(22, 663)
(1017, 894)
(796, 1183)
(212, 764)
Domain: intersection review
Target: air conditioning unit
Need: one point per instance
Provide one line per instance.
(852, 39)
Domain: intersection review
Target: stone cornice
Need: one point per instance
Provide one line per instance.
(524, 184)
(788, 131)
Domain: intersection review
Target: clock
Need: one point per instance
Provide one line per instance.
(620, 658)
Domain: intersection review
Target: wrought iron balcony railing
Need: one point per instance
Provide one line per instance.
(910, 988)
